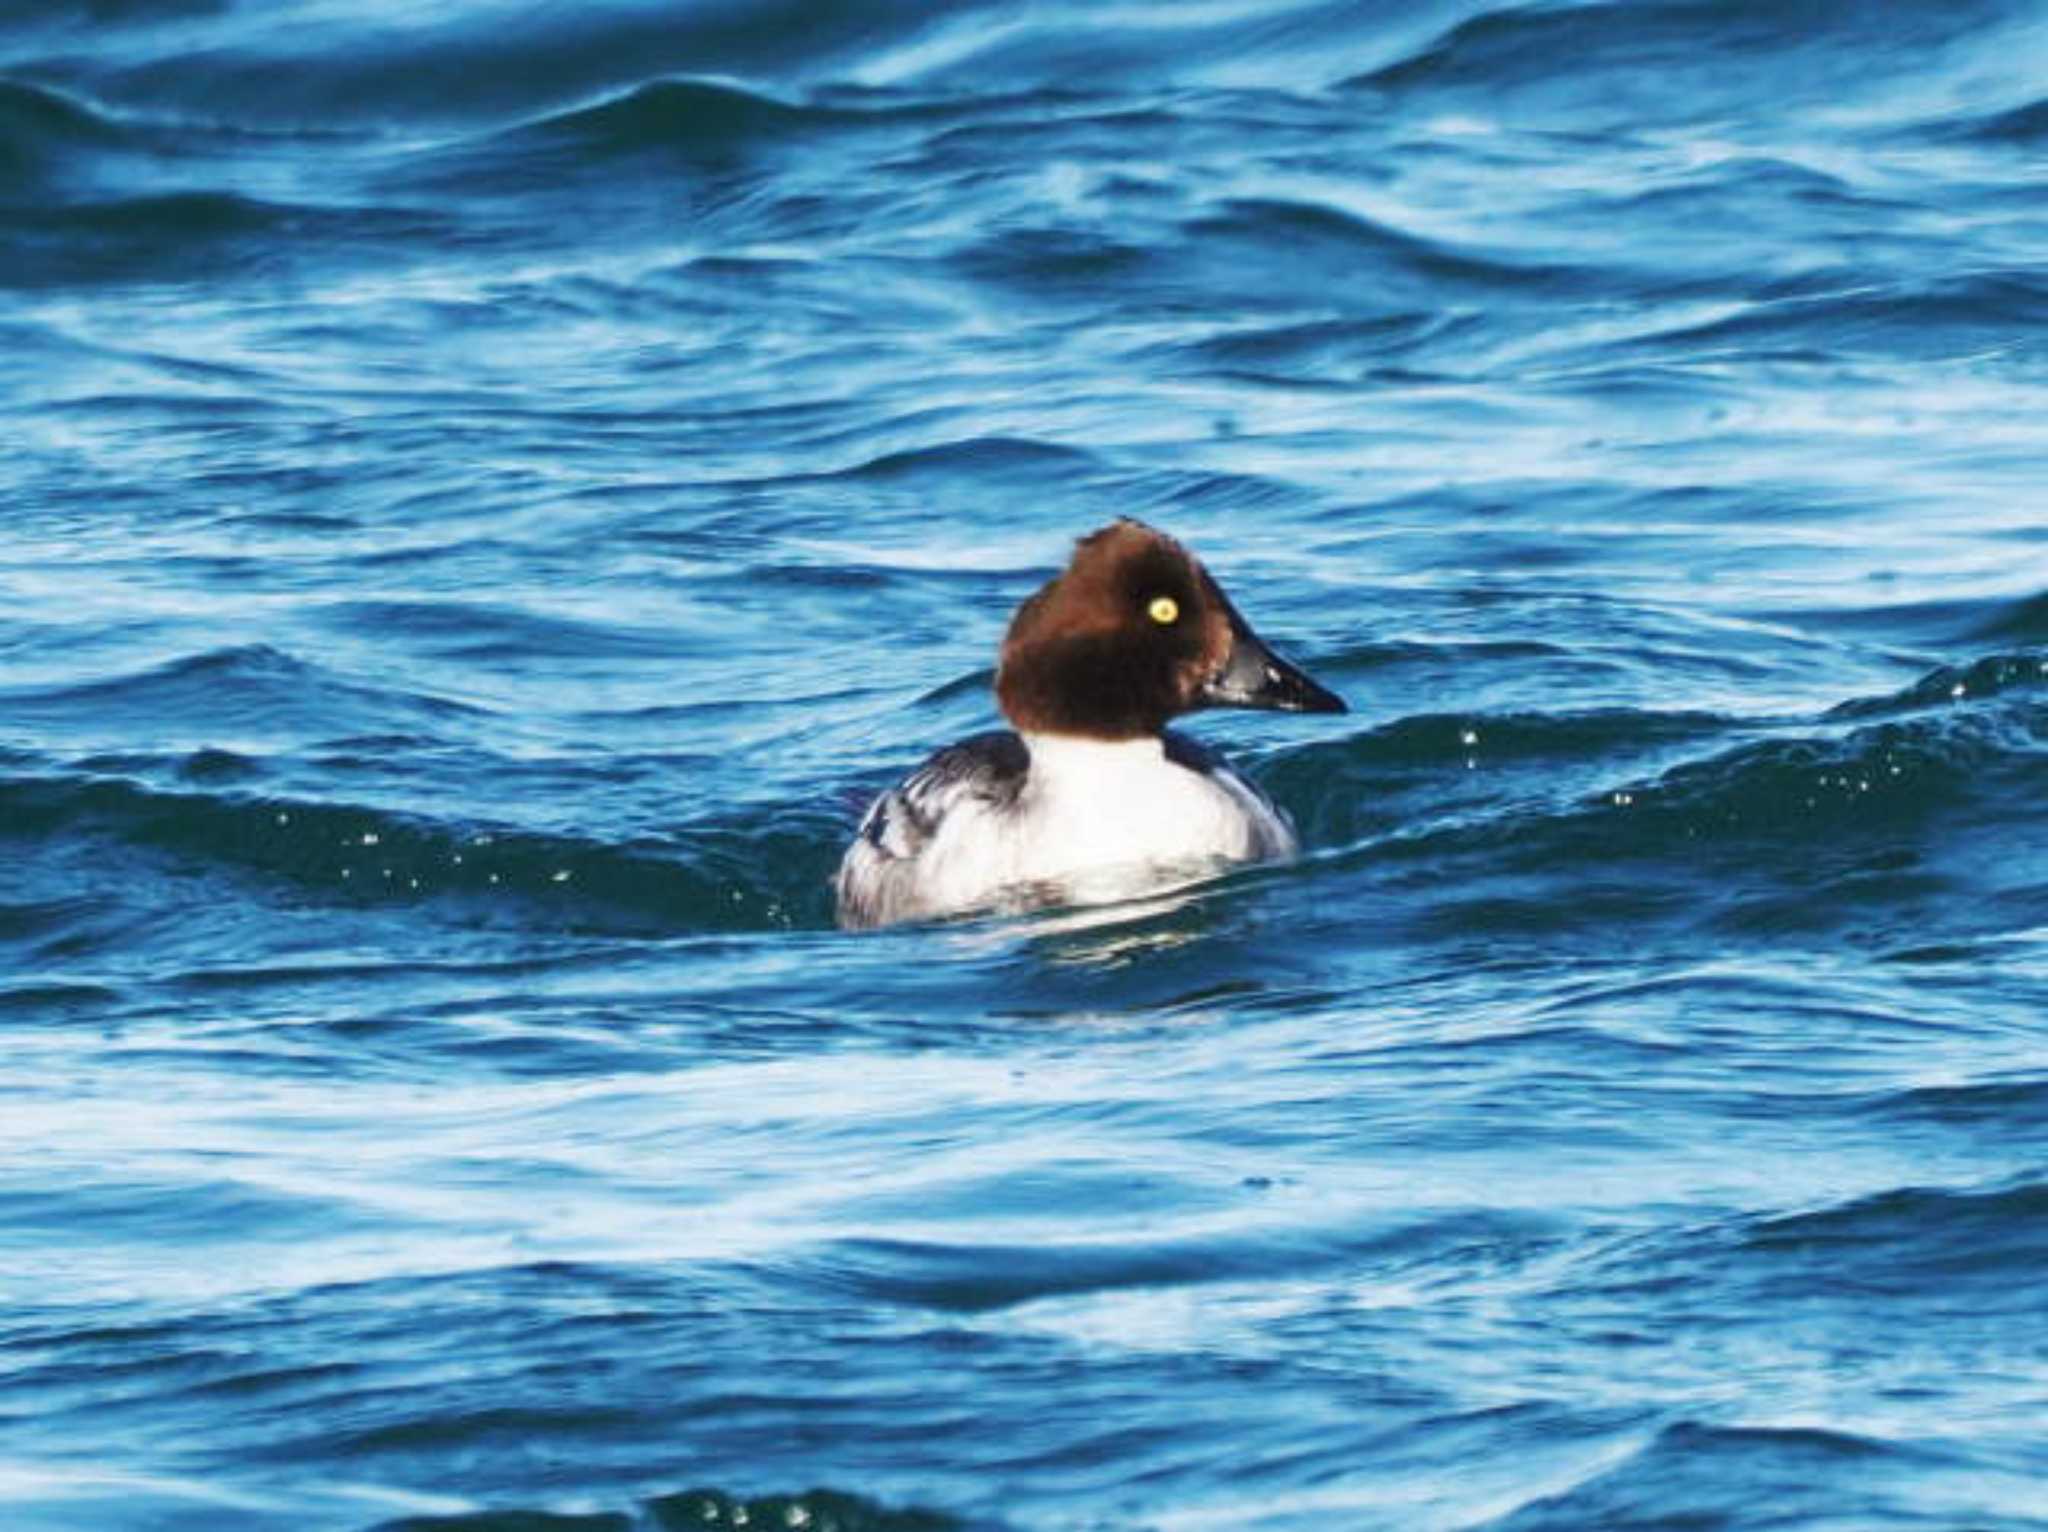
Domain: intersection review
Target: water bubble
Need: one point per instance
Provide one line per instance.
(371, 838)
(563, 876)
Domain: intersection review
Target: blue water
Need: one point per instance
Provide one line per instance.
(492, 488)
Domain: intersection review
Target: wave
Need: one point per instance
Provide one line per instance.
(1477, 796)
(1910, 1244)
(1302, 236)
(1450, 739)
(193, 236)
(984, 1277)
(979, 458)
(63, 150)
(100, 15)
(1255, 246)
(820, 1509)
(1641, 64)
(1914, 1240)
(1703, 1473)
(707, 124)
(1935, 318)
(1994, 675)
(249, 688)
(2004, 1104)
(1868, 817)
(469, 65)
(1931, 626)
(680, 114)
(1334, 351)
(43, 130)
(747, 874)
(728, 137)
(2023, 621)
(483, 632)
(1894, 778)
(1637, 61)
(2019, 127)
(1055, 262)
(244, 810)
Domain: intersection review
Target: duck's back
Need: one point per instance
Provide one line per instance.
(892, 871)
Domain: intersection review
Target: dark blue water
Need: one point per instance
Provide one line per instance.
(491, 488)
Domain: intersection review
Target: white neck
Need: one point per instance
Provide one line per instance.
(1057, 758)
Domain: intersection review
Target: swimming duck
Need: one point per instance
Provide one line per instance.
(1090, 796)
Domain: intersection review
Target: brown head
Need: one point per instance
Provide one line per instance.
(1133, 633)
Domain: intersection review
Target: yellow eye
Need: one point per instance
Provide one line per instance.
(1163, 610)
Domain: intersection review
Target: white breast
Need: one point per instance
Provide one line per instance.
(1101, 820)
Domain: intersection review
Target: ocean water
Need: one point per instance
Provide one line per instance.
(492, 488)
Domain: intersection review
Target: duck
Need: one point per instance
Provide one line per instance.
(1089, 797)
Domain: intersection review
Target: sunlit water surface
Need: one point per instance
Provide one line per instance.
(492, 488)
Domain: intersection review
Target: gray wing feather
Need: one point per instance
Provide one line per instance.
(877, 881)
